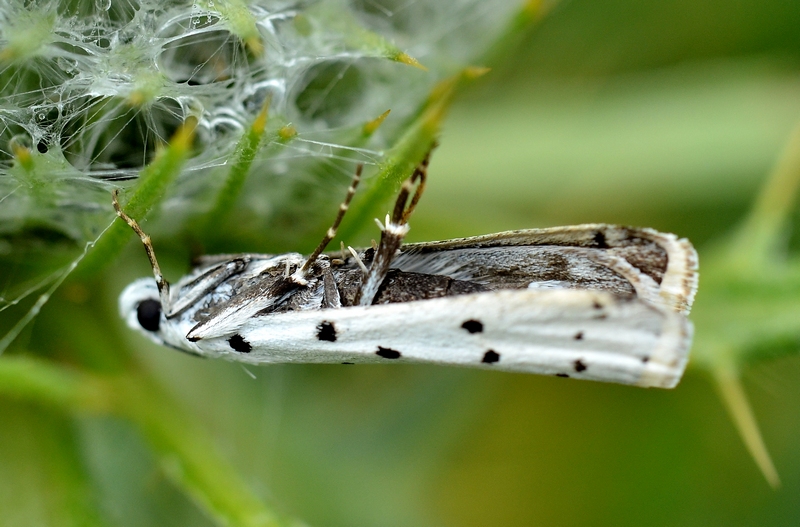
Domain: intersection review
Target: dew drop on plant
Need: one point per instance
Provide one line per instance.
(66, 65)
(19, 141)
(193, 106)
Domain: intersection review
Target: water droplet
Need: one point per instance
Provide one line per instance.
(67, 65)
(19, 141)
(193, 106)
(102, 5)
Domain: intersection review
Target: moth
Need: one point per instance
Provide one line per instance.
(598, 302)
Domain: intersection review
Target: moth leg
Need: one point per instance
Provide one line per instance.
(301, 274)
(358, 260)
(330, 293)
(163, 285)
(393, 232)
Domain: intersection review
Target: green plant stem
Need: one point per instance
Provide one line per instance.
(153, 181)
(189, 458)
(185, 452)
(530, 12)
(731, 391)
(759, 238)
(423, 131)
(406, 153)
(242, 160)
(749, 298)
(30, 379)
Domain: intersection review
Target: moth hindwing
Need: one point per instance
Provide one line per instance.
(599, 302)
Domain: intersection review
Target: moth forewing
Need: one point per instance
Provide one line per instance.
(202, 281)
(246, 298)
(568, 333)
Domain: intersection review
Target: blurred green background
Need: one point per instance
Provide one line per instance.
(661, 114)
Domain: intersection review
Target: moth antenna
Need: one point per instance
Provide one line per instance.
(341, 248)
(358, 260)
(331, 233)
(402, 207)
(421, 174)
(393, 232)
(161, 283)
(374, 244)
(286, 270)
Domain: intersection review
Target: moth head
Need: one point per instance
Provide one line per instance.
(140, 306)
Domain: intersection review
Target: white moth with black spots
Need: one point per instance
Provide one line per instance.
(599, 302)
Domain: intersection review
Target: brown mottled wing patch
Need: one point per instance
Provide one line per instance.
(521, 267)
(670, 263)
(407, 287)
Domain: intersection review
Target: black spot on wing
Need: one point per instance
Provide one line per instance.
(473, 326)
(490, 357)
(562, 375)
(578, 335)
(238, 343)
(600, 240)
(579, 365)
(645, 359)
(387, 353)
(326, 331)
(597, 305)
